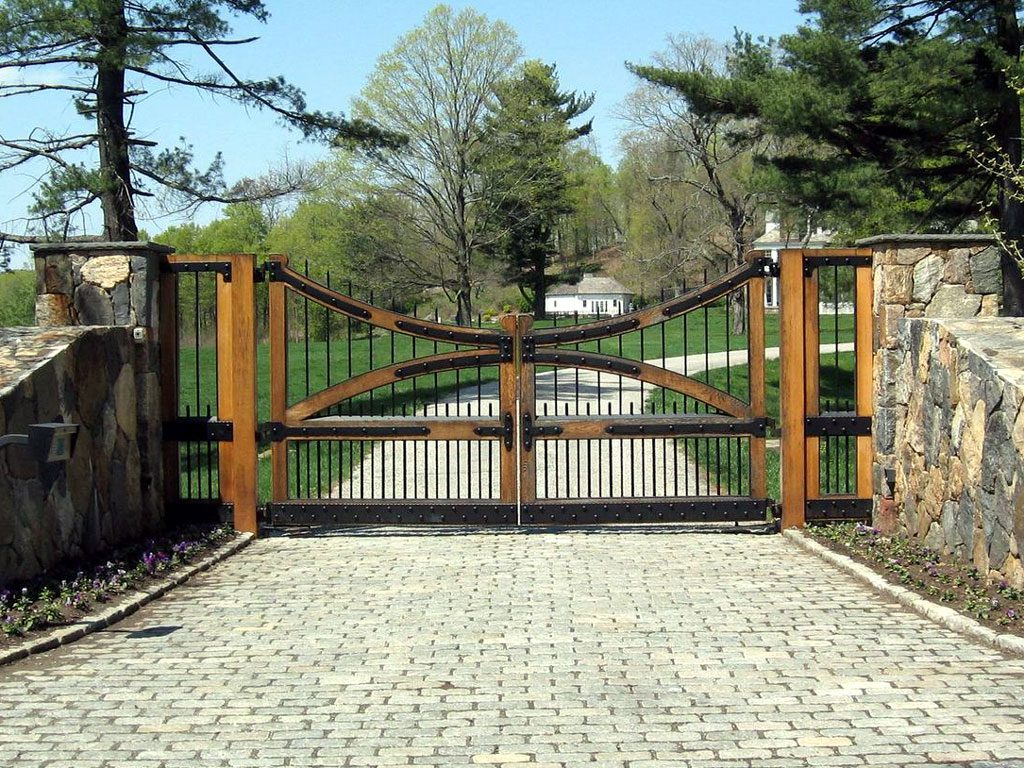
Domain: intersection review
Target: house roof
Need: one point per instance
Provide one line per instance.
(590, 284)
(774, 238)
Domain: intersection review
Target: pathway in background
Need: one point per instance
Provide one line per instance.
(614, 649)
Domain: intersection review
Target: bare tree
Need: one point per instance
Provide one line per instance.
(715, 153)
(434, 87)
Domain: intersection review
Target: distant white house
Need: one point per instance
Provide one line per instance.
(774, 240)
(592, 295)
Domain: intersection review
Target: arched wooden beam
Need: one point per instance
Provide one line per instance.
(380, 377)
(659, 313)
(279, 271)
(650, 374)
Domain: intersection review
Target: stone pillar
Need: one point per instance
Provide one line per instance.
(940, 276)
(97, 283)
(93, 283)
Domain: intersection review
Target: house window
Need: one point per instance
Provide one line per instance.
(584, 302)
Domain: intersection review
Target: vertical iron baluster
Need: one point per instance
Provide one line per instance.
(391, 339)
(664, 357)
(728, 344)
(590, 464)
(415, 311)
(547, 464)
(490, 457)
(828, 474)
(327, 335)
(447, 461)
(198, 396)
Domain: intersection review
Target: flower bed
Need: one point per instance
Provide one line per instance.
(59, 599)
(942, 579)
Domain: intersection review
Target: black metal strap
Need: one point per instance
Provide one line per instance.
(504, 431)
(583, 333)
(586, 360)
(447, 364)
(712, 509)
(399, 512)
(824, 510)
(832, 424)
(682, 426)
(222, 268)
(814, 262)
(452, 335)
(187, 429)
(278, 273)
(715, 290)
(275, 431)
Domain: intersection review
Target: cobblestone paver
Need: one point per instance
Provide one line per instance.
(583, 648)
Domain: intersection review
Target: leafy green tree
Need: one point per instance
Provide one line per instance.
(887, 103)
(17, 298)
(434, 87)
(118, 50)
(522, 162)
(595, 221)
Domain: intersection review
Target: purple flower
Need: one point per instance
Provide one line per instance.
(1011, 614)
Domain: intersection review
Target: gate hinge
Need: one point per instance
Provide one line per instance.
(222, 268)
(505, 349)
(196, 429)
(270, 430)
(504, 431)
(271, 271)
(529, 346)
(768, 266)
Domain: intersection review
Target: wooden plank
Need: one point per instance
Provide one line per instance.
(507, 394)
(527, 408)
(388, 319)
(236, 382)
(278, 331)
(758, 407)
(596, 428)
(791, 387)
(379, 377)
(168, 341)
(864, 345)
(440, 428)
(812, 379)
(651, 374)
(225, 385)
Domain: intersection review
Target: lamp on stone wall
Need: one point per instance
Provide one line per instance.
(47, 442)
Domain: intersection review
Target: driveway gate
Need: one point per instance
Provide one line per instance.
(373, 416)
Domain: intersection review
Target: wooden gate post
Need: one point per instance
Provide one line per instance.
(792, 385)
(236, 388)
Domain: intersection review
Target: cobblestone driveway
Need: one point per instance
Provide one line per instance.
(600, 649)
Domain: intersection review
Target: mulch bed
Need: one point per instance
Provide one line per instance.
(940, 578)
(68, 594)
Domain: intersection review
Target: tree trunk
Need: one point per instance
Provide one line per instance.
(464, 295)
(539, 288)
(116, 193)
(1008, 136)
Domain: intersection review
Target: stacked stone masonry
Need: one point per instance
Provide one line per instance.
(959, 450)
(945, 409)
(106, 494)
(97, 284)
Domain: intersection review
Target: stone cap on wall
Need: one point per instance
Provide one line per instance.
(97, 246)
(952, 241)
(23, 350)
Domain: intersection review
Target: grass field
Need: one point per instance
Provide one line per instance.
(838, 455)
(315, 364)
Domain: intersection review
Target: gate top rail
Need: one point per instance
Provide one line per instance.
(277, 270)
(659, 313)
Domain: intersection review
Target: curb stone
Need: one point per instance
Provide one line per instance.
(128, 605)
(940, 614)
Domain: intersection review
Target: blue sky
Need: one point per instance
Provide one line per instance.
(329, 47)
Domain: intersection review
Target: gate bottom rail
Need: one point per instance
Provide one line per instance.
(717, 509)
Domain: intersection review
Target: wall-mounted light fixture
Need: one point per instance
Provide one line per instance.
(47, 442)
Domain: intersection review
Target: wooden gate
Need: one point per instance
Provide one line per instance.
(371, 415)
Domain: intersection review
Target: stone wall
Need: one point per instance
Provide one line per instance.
(93, 283)
(108, 492)
(959, 445)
